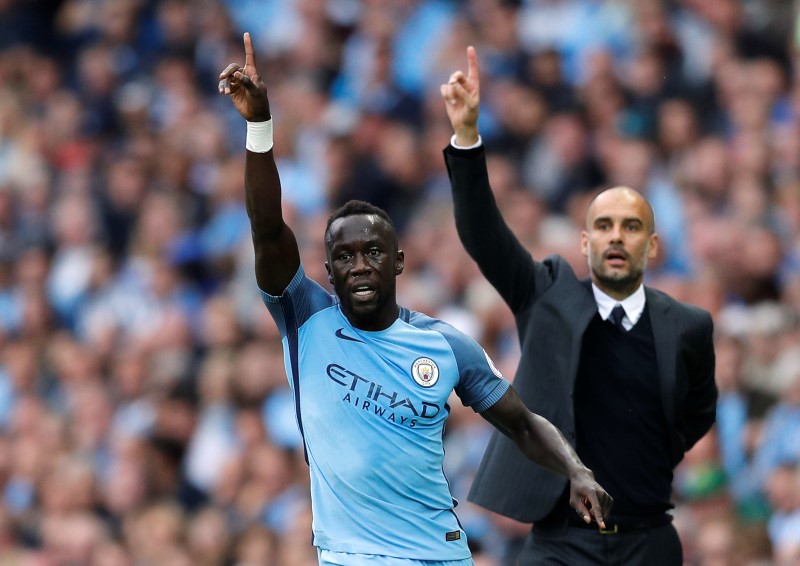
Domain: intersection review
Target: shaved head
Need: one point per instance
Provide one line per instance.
(623, 195)
(619, 239)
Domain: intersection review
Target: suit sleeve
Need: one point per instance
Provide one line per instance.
(700, 407)
(502, 259)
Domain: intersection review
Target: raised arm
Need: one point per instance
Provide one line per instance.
(542, 443)
(277, 256)
(505, 263)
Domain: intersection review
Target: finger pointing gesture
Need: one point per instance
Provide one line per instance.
(589, 500)
(245, 87)
(462, 97)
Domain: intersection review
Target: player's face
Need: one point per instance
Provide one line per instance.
(619, 240)
(363, 265)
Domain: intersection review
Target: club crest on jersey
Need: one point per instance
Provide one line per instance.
(425, 372)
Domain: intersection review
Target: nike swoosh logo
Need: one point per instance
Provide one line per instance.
(343, 336)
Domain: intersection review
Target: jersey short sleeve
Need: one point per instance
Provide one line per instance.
(299, 301)
(480, 383)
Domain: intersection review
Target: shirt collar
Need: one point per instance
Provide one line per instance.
(632, 304)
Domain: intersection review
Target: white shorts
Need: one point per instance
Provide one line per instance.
(331, 558)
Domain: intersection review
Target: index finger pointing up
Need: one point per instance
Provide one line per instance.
(472, 63)
(249, 52)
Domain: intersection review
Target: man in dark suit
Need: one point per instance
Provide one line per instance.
(625, 371)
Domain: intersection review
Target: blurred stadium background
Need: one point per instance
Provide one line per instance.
(144, 413)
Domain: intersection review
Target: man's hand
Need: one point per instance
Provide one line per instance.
(588, 499)
(245, 87)
(462, 95)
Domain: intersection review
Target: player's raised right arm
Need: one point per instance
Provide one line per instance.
(277, 256)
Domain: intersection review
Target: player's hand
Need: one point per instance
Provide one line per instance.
(589, 500)
(461, 96)
(245, 87)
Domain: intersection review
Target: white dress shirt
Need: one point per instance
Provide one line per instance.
(633, 305)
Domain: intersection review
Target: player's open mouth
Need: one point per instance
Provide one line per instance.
(363, 293)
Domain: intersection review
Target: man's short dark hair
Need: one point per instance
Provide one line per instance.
(354, 208)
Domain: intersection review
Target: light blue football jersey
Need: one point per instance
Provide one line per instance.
(371, 407)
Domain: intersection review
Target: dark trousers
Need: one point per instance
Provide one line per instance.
(574, 546)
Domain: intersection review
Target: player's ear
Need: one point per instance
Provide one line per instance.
(330, 275)
(399, 262)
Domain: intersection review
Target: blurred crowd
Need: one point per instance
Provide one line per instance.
(145, 418)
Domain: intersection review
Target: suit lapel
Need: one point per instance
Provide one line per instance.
(665, 335)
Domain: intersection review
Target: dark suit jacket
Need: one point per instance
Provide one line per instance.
(552, 308)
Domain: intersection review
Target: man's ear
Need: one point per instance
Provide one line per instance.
(653, 251)
(585, 243)
(330, 275)
(399, 262)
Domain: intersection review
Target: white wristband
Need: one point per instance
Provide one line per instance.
(259, 136)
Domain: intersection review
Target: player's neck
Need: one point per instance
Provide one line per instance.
(375, 322)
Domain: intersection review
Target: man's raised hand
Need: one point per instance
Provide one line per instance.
(245, 87)
(461, 95)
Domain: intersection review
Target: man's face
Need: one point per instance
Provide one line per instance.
(363, 265)
(619, 240)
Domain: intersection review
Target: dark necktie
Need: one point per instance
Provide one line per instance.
(617, 313)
